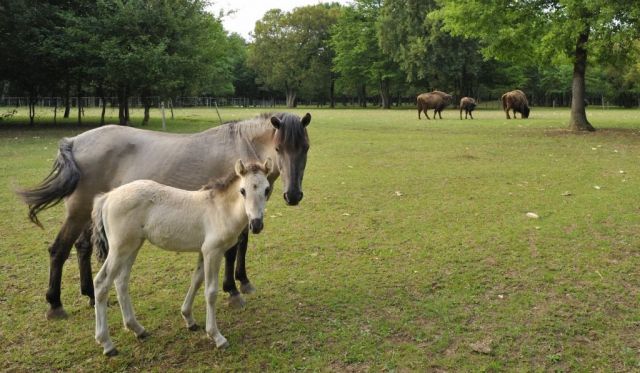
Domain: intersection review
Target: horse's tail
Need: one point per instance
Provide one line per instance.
(61, 182)
(99, 235)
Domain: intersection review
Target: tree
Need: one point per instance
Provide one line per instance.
(544, 30)
(358, 57)
(291, 50)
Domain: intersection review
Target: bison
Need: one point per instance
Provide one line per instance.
(435, 100)
(516, 101)
(468, 105)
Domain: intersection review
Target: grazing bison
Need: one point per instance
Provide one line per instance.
(468, 105)
(435, 100)
(516, 101)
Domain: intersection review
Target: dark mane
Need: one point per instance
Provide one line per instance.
(223, 183)
(291, 132)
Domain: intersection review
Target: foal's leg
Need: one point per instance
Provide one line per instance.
(101, 284)
(122, 290)
(229, 284)
(241, 269)
(212, 260)
(187, 306)
(58, 254)
(84, 249)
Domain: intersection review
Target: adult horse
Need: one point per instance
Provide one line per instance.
(104, 158)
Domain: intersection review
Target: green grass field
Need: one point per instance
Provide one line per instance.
(412, 252)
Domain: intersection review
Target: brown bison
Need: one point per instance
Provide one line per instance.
(468, 105)
(516, 101)
(436, 100)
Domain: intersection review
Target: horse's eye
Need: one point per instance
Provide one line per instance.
(242, 191)
(278, 149)
(267, 191)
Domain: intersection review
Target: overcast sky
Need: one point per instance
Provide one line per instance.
(249, 11)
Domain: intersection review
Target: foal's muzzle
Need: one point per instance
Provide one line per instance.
(255, 226)
(293, 198)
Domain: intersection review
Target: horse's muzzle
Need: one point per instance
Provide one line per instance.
(293, 198)
(255, 226)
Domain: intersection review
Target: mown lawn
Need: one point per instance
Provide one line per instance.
(411, 251)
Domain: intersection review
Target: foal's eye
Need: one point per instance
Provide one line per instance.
(278, 149)
(267, 191)
(243, 192)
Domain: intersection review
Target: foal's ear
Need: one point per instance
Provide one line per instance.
(268, 165)
(275, 122)
(240, 168)
(306, 120)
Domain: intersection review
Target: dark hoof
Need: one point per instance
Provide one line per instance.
(56, 314)
(92, 302)
(236, 302)
(194, 327)
(144, 335)
(247, 288)
(111, 353)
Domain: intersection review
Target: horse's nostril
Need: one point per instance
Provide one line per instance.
(286, 197)
(301, 195)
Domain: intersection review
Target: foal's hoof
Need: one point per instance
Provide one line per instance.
(111, 353)
(193, 327)
(247, 288)
(236, 302)
(221, 342)
(56, 314)
(144, 335)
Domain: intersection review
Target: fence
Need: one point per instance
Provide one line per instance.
(155, 101)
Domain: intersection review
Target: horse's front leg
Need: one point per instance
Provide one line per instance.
(187, 306)
(212, 259)
(241, 269)
(229, 284)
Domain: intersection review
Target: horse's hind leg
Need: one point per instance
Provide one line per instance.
(58, 254)
(124, 299)
(187, 306)
(84, 249)
(229, 284)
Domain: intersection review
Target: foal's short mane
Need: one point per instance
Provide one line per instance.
(223, 183)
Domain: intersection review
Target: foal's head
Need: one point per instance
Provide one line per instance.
(255, 190)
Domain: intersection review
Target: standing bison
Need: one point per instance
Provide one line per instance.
(516, 101)
(436, 100)
(468, 105)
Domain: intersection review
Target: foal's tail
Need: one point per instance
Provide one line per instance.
(99, 236)
(61, 182)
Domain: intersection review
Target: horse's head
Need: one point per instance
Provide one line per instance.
(292, 145)
(255, 189)
(525, 111)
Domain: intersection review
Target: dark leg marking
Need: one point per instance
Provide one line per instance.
(229, 284)
(84, 249)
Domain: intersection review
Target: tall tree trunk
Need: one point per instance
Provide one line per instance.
(332, 91)
(79, 91)
(363, 94)
(578, 121)
(122, 106)
(171, 106)
(385, 100)
(147, 104)
(104, 108)
(67, 102)
(291, 97)
(32, 109)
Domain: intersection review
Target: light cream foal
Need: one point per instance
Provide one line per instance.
(208, 220)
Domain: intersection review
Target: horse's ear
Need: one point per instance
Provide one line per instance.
(275, 122)
(268, 165)
(306, 120)
(240, 169)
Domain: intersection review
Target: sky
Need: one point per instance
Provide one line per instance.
(249, 11)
